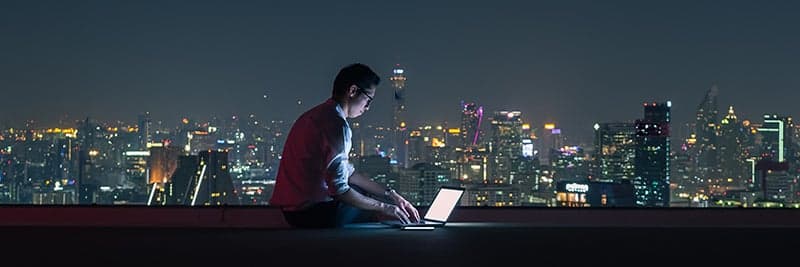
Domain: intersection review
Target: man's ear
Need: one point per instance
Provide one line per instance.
(352, 91)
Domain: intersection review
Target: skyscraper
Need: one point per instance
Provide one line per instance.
(6, 184)
(145, 130)
(614, 152)
(704, 152)
(470, 152)
(569, 164)
(471, 119)
(378, 169)
(162, 163)
(429, 179)
(526, 179)
(551, 141)
(136, 171)
(777, 133)
(506, 145)
(179, 188)
(652, 163)
(773, 182)
(426, 144)
(203, 180)
(732, 155)
(399, 123)
(216, 186)
(88, 170)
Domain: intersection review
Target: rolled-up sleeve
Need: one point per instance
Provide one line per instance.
(339, 169)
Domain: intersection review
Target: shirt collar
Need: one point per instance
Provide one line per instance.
(339, 109)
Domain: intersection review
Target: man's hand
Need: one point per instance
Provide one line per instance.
(395, 211)
(405, 206)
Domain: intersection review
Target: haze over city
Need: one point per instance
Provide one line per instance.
(571, 62)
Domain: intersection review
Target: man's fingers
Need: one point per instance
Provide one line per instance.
(412, 212)
(416, 213)
(402, 216)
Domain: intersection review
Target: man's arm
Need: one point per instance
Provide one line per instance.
(379, 190)
(361, 201)
(368, 184)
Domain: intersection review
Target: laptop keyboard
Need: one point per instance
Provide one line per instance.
(398, 222)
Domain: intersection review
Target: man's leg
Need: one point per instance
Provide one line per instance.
(321, 215)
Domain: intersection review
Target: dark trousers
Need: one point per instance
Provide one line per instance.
(331, 214)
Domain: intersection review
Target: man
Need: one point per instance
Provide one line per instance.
(316, 185)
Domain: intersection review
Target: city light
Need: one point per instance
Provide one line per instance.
(506, 155)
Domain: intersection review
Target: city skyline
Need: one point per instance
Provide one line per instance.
(681, 130)
(551, 61)
(726, 163)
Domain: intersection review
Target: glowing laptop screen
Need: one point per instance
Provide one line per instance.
(443, 204)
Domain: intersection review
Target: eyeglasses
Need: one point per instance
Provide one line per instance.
(369, 98)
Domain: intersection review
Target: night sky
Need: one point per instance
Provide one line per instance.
(572, 62)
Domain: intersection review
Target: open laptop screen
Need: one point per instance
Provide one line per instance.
(443, 205)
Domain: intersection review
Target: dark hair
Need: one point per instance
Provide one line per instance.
(354, 74)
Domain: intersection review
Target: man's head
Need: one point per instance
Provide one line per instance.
(354, 88)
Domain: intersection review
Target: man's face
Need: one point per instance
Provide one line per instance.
(360, 103)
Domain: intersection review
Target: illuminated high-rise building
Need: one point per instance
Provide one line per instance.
(202, 180)
(399, 123)
(614, 152)
(684, 184)
(525, 173)
(89, 157)
(426, 144)
(773, 182)
(429, 179)
(704, 152)
(214, 186)
(178, 190)
(652, 163)
(162, 163)
(777, 133)
(551, 141)
(145, 129)
(471, 120)
(780, 187)
(136, 171)
(473, 167)
(6, 181)
(732, 154)
(505, 146)
(469, 150)
(416, 147)
(569, 163)
(378, 169)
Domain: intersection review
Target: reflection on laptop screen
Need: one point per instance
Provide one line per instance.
(444, 203)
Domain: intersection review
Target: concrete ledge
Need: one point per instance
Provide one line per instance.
(269, 217)
(632, 217)
(140, 216)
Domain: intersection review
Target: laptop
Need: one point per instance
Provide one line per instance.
(443, 204)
